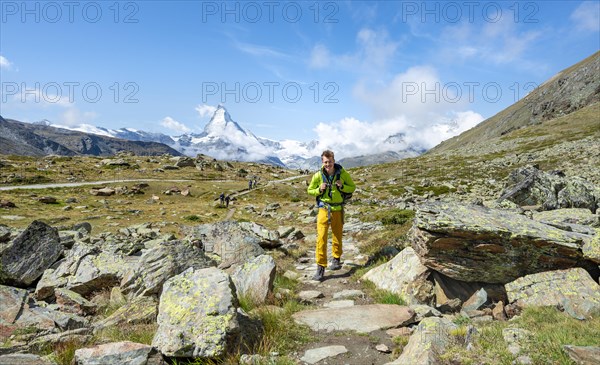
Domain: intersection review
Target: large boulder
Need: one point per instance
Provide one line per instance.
(404, 275)
(568, 216)
(123, 353)
(197, 315)
(428, 341)
(85, 269)
(233, 242)
(530, 186)
(254, 279)
(24, 259)
(477, 244)
(574, 290)
(159, 263)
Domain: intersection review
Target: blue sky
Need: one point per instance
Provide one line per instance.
(358, 71)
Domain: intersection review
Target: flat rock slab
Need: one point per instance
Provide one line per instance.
(309, 295)
(585, 355)
(339, 303)
(313, 356)
(360, 318)
(349, 294)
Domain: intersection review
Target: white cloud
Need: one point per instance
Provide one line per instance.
(4, 63)
(171, 123)
(73, 117)
(587, 16)
(500, 42)
(374, 50)
(319, 57)
(205, 110)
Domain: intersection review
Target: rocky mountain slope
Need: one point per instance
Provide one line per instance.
(40, 140)
(568, 91)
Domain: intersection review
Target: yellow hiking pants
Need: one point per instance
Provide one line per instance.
(322, 228)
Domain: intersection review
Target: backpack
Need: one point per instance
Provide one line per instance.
(336, 176)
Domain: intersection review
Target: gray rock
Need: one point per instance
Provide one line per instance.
(530, 186)
(197, 315)
(339, 304)
(515, 338)
(424, 311)
(71, 302)
(476, 301)
(24, 359)
(574, 290)
(182, 161)
(477, 244)
(26, 257)
(580, 216)
(85, 269)
(310, 295)
(428, 341)
(139, 310)
(123, 353)
(583, 355)
(360, 318)
(254, 279)
(5, 233)
(11, 303)
(158, 264)
(403, 275)
(233, 242)
(313, 356)
(349, 294)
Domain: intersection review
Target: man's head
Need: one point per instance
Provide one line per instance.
(328, 161)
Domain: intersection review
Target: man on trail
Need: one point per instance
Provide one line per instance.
(330, 186)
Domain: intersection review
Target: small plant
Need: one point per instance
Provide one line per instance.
(192, 218)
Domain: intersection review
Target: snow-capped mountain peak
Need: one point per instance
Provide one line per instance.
(221, 124)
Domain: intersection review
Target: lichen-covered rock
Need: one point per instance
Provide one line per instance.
(591, 248)
(583, 355)
(122, 353)
(580, 216)
(574, 290)
(147, 275)
(24, 359)
(404, 275)
(477, 244)
(197, 315)
(85, 269)
(139, 310)
(233, 242)
(530, 186)
(24, 259)
(254, 279)
(428, 341)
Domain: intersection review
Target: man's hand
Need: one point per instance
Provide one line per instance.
(339, 184)
(323, 187)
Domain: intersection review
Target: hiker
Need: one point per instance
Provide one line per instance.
(255, 183)
(227, 198)
(222, 198)
(250, 184)
(331, 186)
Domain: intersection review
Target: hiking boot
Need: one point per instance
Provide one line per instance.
(320, 275)
(335, 264)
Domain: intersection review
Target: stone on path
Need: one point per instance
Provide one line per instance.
(24, 359)
(123, 353)
(313, 356)
(360, 318)
(339, 303)
(349, 294)
(309, 295)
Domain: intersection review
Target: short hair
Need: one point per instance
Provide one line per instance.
(327, 153)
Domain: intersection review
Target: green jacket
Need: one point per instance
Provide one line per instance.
(331, 195)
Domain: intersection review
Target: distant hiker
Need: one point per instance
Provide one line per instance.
(331, 186)
(227, 198)
(255, 183)
(250, 184)
(222, 198)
